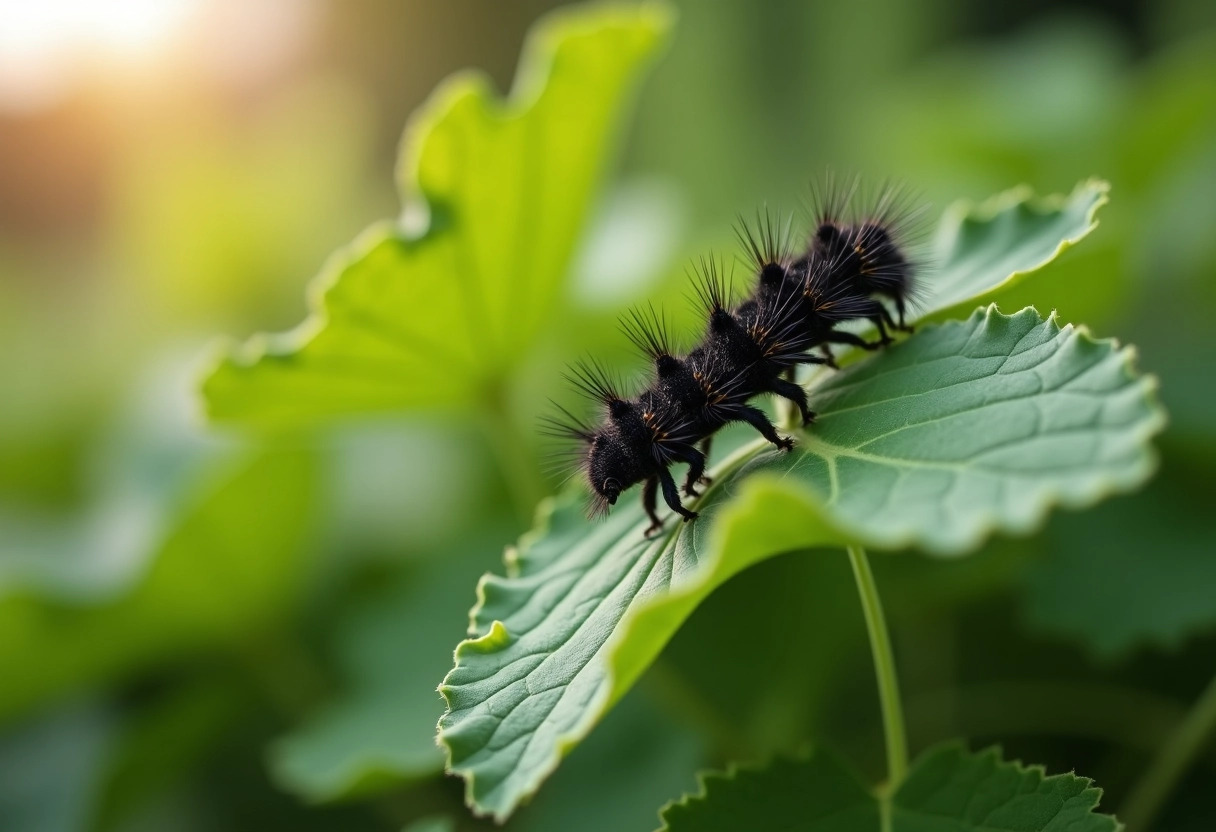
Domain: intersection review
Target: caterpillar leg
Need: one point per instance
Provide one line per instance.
(650, 490)
(902, 310)
(852, 340)
(696, 467)
(880, 322)
(672, 497)
(756, 418)
(797, 395)
(706, 443)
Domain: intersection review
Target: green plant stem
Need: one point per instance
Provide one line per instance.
(1172, 760)
(884, 669)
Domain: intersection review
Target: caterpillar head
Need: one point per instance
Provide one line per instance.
(616, 457)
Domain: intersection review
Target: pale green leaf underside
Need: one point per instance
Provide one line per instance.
(403, 322)
(948, 790)
(965, 428)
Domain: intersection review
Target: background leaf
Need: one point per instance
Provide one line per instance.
(381, 731)
(1133, 573)
(615, 780)
(814, 794)
(405, 321)
(982, 252)
(228, 568)
(50, 769)
(947, 790)
(964, 428)
(950, 789)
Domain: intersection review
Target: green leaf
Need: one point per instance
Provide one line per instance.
(1133, 573)
(404, 321)
(964, 429)
(982, 252)
(228, 565)
(614, 780)
(434, 823)
(381, 732)
(165, 741)
(52, 768)
(948, 790)
(146, 464)
(813, 794)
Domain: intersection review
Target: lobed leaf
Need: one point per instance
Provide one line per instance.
(947, 790)
(965, 428)
(405, 321)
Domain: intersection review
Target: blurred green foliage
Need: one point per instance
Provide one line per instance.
(187, 621)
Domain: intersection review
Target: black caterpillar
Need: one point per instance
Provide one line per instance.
(748, 349)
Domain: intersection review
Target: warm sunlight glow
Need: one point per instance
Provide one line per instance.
(44, 44)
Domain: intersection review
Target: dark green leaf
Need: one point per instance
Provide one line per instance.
(814, 794)
(947, 790)
(950, 790)
(1132, 573)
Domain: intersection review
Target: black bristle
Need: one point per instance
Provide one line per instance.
(831, 198)
(565, 425)
(711, 285)
(766, 244)
(595, 381)
(647, 329)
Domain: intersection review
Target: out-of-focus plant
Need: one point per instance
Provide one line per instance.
(439, 310)
(970, 427)
(195, 634)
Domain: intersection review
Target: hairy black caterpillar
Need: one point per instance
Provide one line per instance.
(749, 348)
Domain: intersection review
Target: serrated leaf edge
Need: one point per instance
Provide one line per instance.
(996, 752)
(986, 210)
(706, 778)
(991, 522)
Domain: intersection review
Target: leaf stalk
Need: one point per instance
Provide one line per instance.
(1172, 760)
(884, 669)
